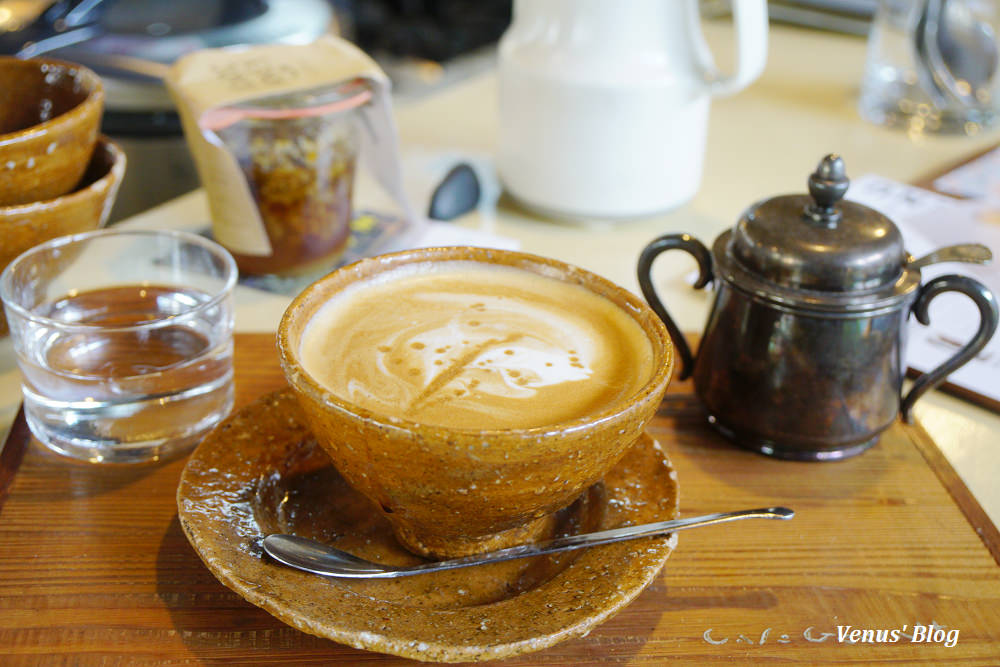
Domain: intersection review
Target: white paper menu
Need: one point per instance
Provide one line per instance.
(928, 221)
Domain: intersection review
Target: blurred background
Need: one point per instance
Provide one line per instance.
(422, 44)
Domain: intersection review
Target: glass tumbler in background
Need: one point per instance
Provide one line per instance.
(897, 77)
(124, 341)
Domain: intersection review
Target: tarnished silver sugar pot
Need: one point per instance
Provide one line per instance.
(802, 355)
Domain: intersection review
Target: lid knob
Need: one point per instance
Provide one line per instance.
(827, 185)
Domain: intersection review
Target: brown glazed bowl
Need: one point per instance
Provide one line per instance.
(452, 492)
(49, 116)
(87, 208)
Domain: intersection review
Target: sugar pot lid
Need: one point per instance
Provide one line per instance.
(817, 250)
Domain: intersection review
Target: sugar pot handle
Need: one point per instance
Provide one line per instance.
(696, 249)
(988, 317)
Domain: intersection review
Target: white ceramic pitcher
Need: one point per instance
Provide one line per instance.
(604, 104)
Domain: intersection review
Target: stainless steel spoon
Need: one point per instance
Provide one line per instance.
(956, 53)
(312, 556)
(968, 50)
(973, 253)
(929, 65)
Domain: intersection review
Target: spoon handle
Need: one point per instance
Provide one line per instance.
(312, 556)
(603, 537)
(973, 253)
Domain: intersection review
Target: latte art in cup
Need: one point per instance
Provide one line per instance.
(464, 345)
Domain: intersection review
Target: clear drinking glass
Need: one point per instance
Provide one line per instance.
(124, 341)
(897, 79)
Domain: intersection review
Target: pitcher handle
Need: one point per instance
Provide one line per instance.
(750, 20)
(988, 317)
(696, 249)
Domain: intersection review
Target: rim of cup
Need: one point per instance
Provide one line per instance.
(301, 380)
(231, 276)
(82, 76)
(115, 172)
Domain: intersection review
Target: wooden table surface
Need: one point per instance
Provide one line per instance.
(94, 568)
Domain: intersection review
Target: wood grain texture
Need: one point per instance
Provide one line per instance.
(973, 511)
(12, 453)
(94, 568)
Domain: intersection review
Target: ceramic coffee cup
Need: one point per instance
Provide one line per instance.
(450, 491)
(84, 209)
(50, 113)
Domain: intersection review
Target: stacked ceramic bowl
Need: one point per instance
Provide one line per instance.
(58, 176)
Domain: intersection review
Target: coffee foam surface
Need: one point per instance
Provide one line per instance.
(468, 346)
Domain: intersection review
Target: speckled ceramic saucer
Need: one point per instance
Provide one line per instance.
(260, 472)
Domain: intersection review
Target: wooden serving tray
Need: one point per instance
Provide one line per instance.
(94, 568)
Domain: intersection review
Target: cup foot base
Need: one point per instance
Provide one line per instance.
(790, 453)
(908, 108)
(583, 216)
(155, 453)
(101, 440)
(455, 547)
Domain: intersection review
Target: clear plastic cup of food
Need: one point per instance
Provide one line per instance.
(298, 152)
